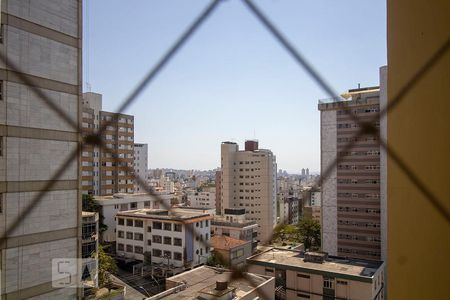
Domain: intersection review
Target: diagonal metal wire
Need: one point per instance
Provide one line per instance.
(166, 58)
(367, 128)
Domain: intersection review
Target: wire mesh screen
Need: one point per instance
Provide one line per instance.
(366, 127)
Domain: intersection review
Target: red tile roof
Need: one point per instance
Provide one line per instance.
(226, 242)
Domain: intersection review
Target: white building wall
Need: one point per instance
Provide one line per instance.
(329, 192)
(383, 163)
(140, 164)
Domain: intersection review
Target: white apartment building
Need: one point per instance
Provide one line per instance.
(111, 205)
(140, 165)
(202, 199)
(177, 237)
(42, 43)
(249, 181)
(234, 224)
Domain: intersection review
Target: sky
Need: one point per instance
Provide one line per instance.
(232, 80)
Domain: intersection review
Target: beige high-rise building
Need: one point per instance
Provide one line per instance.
(249, 181)
(352, 198)
(101, 174)
(43, 40)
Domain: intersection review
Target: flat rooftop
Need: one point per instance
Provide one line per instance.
(174, 214)
(121, 196)
(204, 277)
(291, 259)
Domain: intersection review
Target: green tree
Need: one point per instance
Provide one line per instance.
(309, 233)
(106, 266)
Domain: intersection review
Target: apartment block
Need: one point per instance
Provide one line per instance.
(205, 199)
(177, 238)
(351, 194)
(101, 173)
(289, 210)
(140, 165)
(218, 182)
(42, 39)
(111, 205)
(316, 275)
(234, 224)
(249, 181)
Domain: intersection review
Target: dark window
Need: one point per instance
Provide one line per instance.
(129, 235)
(157, 239)
(149, 242)
(177, 242)
(120, 234)
(129, 248)
(121, 221)
(303, 276)
(177, 256)
(177, 227)
(138, 223)
(138, 236)
(120, 247)
(167, 240)
(133, 205)
(157, 225)
(168, 254)
(168, 226)
(157, 252)
(149, 228)
(138, 249)
(129, 222)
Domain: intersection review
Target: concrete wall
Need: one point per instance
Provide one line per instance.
(329, 193)
(418, 235)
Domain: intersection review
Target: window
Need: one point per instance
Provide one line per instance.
(129, 222)
(168, 226)
(177, 227)
(328, 282)
(123, 207)
(177, 256)
(149, 242)
(341, 282)
(120, 247)
(147, 204)
(168, 254)
(167, 240)
(1, 145)
(157, 239)
(238, 253)
(157, 252)
(177, 242)
(138, 236)
(1, 203)
(138, 249)
(138, 223)
(149, 228)
(206, 223)
(129, 248)
(121, 221)
(303, 276)
(129, 235)
(133, 205)
(120, 234)
(1, 81)
(157, 225)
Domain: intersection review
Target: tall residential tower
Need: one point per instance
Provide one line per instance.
(352, 192)
(43, 40)
(248, 180)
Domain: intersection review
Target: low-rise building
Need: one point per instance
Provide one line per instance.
(217, 284)
(89, 248)
(315, 275)
(176, 238)
(111, 205)
(230, 251)
(205, 199)
(234, 224)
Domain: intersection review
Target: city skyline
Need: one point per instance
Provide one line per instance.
(250, 71)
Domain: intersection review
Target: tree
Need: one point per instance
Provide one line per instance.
(106, 265)
(309, 233)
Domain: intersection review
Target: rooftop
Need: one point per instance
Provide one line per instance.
(88, 214)
(352, 94)
(225, 242)
(175, 214)
(291, 259)
(205, 277)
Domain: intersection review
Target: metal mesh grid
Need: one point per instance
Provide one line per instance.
(367, 128)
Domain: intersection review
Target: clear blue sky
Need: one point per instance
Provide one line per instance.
(232, 80)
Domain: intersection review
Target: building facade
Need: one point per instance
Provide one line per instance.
(89, 248)
(351, 197)
(249, 181)
(218, 182)
(176, 238)
(234, 224)
(101, 173)
(313, 275)
(202, 199)
(140, 165)
(231, 252)
(42, 44)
